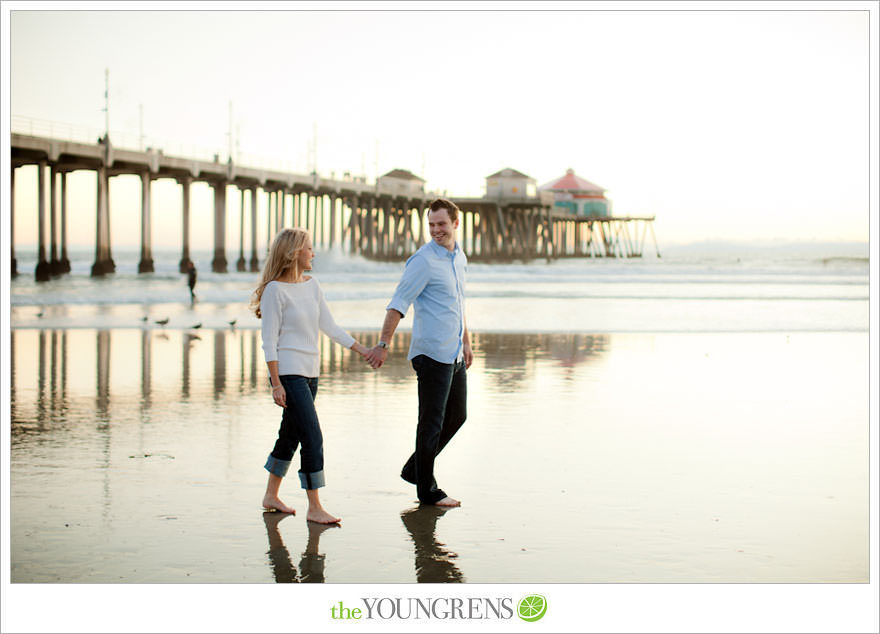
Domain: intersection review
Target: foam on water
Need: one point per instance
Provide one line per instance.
(677, 293)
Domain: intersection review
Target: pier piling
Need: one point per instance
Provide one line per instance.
(185, 184)
(382, 220)
(218, 264)
(146, 263)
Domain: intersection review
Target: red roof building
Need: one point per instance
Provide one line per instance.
(578, 195)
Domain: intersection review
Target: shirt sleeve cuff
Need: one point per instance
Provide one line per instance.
(397, 305)
(346, 341)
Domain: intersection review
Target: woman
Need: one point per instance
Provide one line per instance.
(292, 308)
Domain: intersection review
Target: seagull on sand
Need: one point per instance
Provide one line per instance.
(162, 322)
(197, 326)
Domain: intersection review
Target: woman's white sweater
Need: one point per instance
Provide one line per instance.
(292, 315)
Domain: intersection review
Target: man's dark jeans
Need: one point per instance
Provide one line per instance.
(442, 411)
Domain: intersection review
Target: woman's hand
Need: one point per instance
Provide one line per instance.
(360, 348)
(279, 395)
(376, 356)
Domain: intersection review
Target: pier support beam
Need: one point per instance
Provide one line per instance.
(103, 259)
(332, 220)
(306, 212)
(54, 263)
(353, 224)
(65, 261)
(269, 234)
(279, 218)
(320, 233)
(43, 268)
(218, 264)
(240, 264)
(255, 262)
(13, 269)
(146, 263)
(185, 184)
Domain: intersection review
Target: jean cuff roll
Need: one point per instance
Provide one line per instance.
(277, 467)
(312, 480)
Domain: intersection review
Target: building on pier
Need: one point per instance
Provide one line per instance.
(578, 195)
(400, 182)
(510, 184)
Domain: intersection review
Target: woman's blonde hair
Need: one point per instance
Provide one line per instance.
(283, 256)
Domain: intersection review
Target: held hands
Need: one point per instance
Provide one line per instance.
(370, 355)
(376, 356)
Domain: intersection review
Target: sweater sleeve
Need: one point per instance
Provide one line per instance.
(328, 326)
(270, 307)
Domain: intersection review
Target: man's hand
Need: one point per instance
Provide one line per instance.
(376, 356)
(468, 355)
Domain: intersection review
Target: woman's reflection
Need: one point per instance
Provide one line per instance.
(434, 564)
(312, 563)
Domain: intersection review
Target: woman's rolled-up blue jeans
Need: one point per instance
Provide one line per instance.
(299, 428)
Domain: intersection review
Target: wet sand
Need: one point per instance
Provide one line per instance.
(136, 457)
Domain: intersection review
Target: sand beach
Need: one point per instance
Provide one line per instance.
(680, 457)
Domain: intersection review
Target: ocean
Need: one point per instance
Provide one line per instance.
(692, 291)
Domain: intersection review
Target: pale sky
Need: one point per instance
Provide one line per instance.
(741, 125)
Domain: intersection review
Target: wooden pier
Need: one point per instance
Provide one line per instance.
(528, 229)
(383, 220)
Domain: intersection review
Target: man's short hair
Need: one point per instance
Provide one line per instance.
(450, 207)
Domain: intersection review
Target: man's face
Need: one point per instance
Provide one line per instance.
(442, 228)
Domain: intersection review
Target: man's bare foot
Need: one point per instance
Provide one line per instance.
(447, 501)
(320, 516)
(277, 504)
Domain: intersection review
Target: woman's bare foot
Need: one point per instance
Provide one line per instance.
(447, 501)
(277, 504)
(321, 516)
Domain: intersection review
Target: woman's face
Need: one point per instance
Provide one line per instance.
(304, 259)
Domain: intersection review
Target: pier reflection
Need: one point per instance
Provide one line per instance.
(231, 365)
(510, 359)
(117, 430)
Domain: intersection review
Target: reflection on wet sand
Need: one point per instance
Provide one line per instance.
(311, 564)
(115, 432)
(507, 360)
(116, 395)
(434, 563)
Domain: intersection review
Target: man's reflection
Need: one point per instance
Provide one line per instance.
(434, 564)
(311, 565)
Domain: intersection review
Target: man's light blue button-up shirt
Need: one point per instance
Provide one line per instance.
(433, 283)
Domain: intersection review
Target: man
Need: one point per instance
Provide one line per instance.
(433, 283)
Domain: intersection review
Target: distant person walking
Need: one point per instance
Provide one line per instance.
(191, 276)
(293, 310)
(433, 283)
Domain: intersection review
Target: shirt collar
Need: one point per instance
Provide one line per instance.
(443, 250)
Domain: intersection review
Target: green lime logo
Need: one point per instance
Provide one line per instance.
(532, 608)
